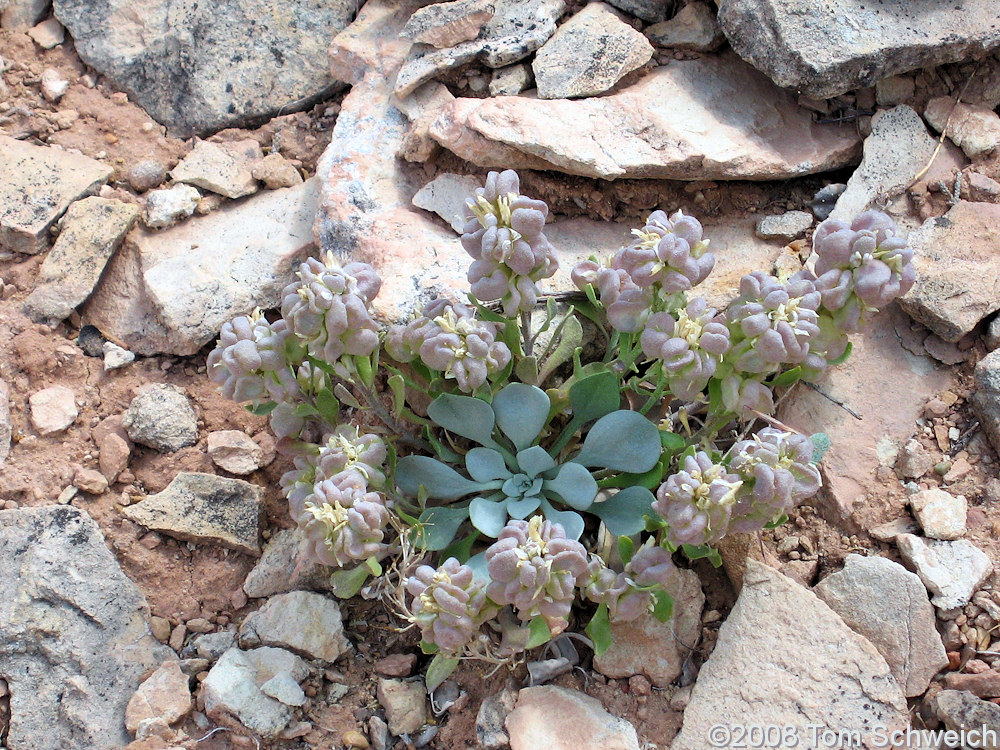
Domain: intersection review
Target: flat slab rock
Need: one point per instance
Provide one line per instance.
(948, 297)
(557, 718)
(38, 185)
(666, 125)
(888, 605)
(91, 231)
(951, 571)
(233, 697)
(171, 291)
(73, 634)
(199, 507)
(284, 567)
(302, 621)
(785, 658)
(825, 50)
(986, 398)
(169, 57)
(887, 415)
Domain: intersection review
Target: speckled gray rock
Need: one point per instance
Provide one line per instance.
(233, 698)
(898, 147)
(447, 24)
(963, 710)
(21, 15)
(205, 508)
(951, 571)
(785, 658)
(283, 687)
(73, 634)
(958, 269)
(511, 80)
(169, 56)
(647, 10)
(301, 621)
(785, 227)
(6, 427)
(92, 230)
(38, 185)
(589, 54)
(888, 605)
(161, 417)
(848, 44)
(986, 397)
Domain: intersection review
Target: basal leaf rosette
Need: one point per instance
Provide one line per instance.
(449, 605)
(449, 338)
(328, 308)
(535, 568)
(778, 474)
(508, 475)
(504, 235)
(697, 501)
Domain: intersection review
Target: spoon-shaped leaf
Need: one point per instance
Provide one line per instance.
(485, 465)
(521, 509)
(469, 417)
(571, 521)
(534, 460)
(488, 516)
(622, 441)
(440, 480)
(521, 413)
(594, 396)
(623, 512)
(573, 485)
(441, 525)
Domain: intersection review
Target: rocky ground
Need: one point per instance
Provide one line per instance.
(160, 174)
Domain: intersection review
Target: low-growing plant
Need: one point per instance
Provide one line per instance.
(508, 457)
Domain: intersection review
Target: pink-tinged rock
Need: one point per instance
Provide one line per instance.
(115, 453)
(53, 409)
(888, 408)
(948, 297)
(973, 127)
(38, 185)
(396, 665)
(556, 718)
(657, 649)
(940, 514)
(666, 125)
(164, 695)
(172, 290)
(234, 451)
(90, 480)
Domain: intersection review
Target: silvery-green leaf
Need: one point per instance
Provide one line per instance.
(479, 567)
(488, 516)
(623, 512)
(463, 415)
(440, 480)
(440, 526)
(534, 460)
(622, 441)
(571, 521)
(574, 485)
(594, 396)
(521, 509)
(521, 413)
(485, 465)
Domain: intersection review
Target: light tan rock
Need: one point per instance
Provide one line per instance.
(973, 127)
(300, 621)
(92, 230)
(165, 694)
(657, 649)
(53, 409)
(946, 297)
(785, 658)
(225, 169)
(48, 34)
(445, 195)
(694, 27)
(39, 184)
(90, 480)
(275, 171)
(405, 705)
(447, 24)
(114, 456)
(234, 451)
(888, 605)
(589, 54)
(656, 128)
(940, 514)
(560, 719)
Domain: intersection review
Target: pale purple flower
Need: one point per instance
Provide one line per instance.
(697, 501)
(343, 522)
(449, 605)
(669, 252)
